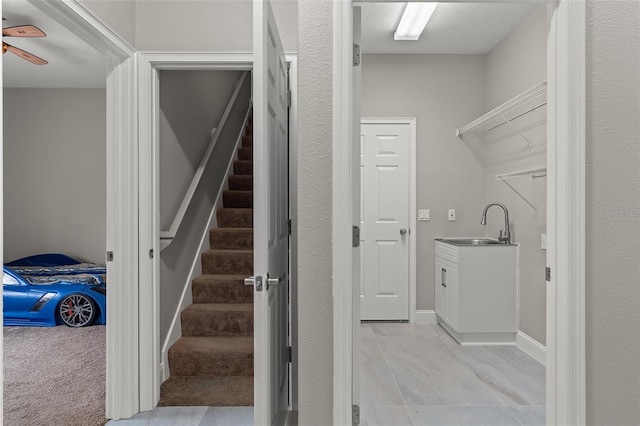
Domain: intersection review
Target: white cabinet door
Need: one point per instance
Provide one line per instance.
(270, 189)
(384, 221)
(447, 289)
(441, 290)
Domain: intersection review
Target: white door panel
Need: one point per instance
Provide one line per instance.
(270, 217)
(384, 216)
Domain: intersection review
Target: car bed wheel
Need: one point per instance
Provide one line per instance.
(77, 310)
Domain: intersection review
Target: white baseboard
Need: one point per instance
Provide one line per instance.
(426, 317)
(531, 347)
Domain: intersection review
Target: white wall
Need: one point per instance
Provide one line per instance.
(518, 63)
(210, 26)
(315, 250)
(55, 173)
(191, 103)
(443, 92)
(613, 213)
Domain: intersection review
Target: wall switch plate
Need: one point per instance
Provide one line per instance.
(543, 241)
(452, 215)
(424, 215)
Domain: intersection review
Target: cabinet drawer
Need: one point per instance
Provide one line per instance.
(447, 251)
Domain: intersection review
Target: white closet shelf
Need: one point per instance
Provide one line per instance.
(535, 173)
(524, 103)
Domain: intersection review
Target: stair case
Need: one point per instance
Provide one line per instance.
(212, 363)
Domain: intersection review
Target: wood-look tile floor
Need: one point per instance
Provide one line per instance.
(415, 374)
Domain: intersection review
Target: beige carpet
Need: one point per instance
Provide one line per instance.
(54, 376)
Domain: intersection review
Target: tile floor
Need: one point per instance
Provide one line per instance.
(415, 374)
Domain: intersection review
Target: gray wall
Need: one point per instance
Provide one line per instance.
(613, 213)
(443, 92)
(55, 173)
(119, 15)
(190, 115)
(516, 64)
(315, 251)
(191, 103)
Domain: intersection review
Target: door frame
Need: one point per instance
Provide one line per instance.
(411, 122)
(122, 391)
(149, 65)
(565, 365)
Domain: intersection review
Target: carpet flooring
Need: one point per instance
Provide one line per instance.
(54, 376)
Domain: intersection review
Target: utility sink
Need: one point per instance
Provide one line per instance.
(471, 241)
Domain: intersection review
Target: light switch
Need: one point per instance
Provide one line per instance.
(543, 241)
(424, 215)
(452, 215)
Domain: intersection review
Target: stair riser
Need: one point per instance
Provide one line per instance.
(208, 365)
(232, 292)
(247, 141)
(198, 391)
(234, 218)
(240, 183)
(231, 239)
(237, 199)
(227, 263)
(228, 323)
(245, 154)
(242, 168)
(249, 130)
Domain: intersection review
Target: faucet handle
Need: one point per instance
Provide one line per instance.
(500, 237)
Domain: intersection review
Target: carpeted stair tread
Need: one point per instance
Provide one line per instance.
(247, 141)
(241, 182)
(241, 167)
(245, 154)
(212, 356)
(237, 199)
(227, 262)
(231, 238)
(217, 319)
(207, 391)
(235, 218)
(217, 288)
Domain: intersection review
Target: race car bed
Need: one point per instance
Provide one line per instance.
(52, 289)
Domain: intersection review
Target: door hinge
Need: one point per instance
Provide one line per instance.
(547, 274)
(356, 55)
(288, 98)
(289, 226)
(355, 409)
(356, 236)
(289, 354)
(151, 254)
(109, 256)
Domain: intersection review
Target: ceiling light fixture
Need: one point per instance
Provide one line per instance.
(413, 21)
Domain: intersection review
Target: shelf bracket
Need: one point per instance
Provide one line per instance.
(521, 196)
(506, 120)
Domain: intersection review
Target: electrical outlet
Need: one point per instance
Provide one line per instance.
(452, 215)
(424, 215)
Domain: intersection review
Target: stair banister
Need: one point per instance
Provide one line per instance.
(166, 236)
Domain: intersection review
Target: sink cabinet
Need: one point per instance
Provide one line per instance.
(476, 292)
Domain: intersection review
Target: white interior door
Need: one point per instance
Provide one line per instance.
(384, 221)
(270, 139)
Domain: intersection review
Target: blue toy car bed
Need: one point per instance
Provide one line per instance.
(52, 289)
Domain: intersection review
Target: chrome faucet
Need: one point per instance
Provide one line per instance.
(507, 233)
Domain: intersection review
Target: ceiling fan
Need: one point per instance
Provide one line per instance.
(22, 31)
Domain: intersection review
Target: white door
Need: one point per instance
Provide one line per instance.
(270, 139)
(384, 225)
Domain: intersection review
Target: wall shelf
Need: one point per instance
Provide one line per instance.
(526, 102)
(533, 173)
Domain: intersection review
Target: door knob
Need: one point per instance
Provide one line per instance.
(273, 281)
(403, 232)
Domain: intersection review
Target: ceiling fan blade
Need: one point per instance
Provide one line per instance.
(24, 55)
(23, 31)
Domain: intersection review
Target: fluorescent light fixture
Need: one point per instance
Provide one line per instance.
(413, 21)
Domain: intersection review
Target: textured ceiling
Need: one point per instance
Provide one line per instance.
(72, 62)
(454, 28)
